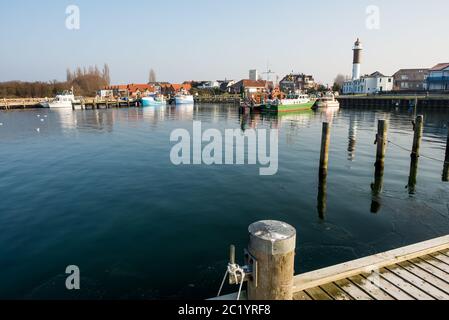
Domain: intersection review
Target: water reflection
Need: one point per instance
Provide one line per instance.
(413, 175)
(322, 196)
(352, 138)
(377, 187)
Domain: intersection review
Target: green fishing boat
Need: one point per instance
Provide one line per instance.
(292, 103)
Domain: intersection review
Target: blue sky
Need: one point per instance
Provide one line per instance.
(208, 39)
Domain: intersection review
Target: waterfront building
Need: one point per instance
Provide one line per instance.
(251, 86)
(226, 85)
(132, 90)
(173, 89)
(410, 80)
(438, 79)
(253, 75)
(368, 84)
(209, 85)
(297, 83)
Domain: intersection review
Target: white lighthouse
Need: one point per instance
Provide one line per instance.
(357, 62)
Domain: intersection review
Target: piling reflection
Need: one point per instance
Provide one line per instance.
(413, 175)
(322, 195)
(352, 138)
(377, 187)
(446, 172)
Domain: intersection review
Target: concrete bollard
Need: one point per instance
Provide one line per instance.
(272, 244)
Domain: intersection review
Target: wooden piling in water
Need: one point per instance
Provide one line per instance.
(322, 175)
(272, 244)
(325, 143)
(377, 186)
(446, 160)
(419, 129)
(381, 141)
(418, 136)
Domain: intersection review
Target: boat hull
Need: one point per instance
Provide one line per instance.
(184, 100)
(56, 105)
(288, 107)
(327, 105)
(152, 103)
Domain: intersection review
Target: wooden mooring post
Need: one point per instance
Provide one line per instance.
(377, 186)
(325, 143)
(419, 129)
(272, 247)
(417, 138)
(381, 141)
(323, 170)
(446, 160)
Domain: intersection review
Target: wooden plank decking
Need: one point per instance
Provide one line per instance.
(417, 272)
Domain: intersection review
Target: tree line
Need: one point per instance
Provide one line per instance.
(85, 82)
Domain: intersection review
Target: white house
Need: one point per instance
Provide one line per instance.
(210, 85)
(369, 84)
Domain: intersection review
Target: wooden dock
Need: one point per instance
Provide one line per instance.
(7, 104)
(85, 103)
(416, 272)
(92, 103)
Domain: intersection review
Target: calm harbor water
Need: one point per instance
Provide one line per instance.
(96, 189)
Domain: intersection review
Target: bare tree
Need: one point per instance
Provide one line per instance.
(339, 82)
(152, 76)
(106, 74)
(70, 76)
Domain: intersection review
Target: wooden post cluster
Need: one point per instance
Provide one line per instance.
(272, 244)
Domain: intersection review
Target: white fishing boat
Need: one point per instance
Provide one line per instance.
(184, 99)
(328, 101)
(153, 100)
(61, 101)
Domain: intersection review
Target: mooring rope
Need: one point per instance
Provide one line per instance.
(233, 270)
(409, 150)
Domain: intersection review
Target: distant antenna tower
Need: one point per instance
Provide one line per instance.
(269, 72)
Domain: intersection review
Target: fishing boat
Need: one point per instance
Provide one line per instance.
(184, 98)
(291, 103)
(327, 102)
(61, 101)
(153, 100)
